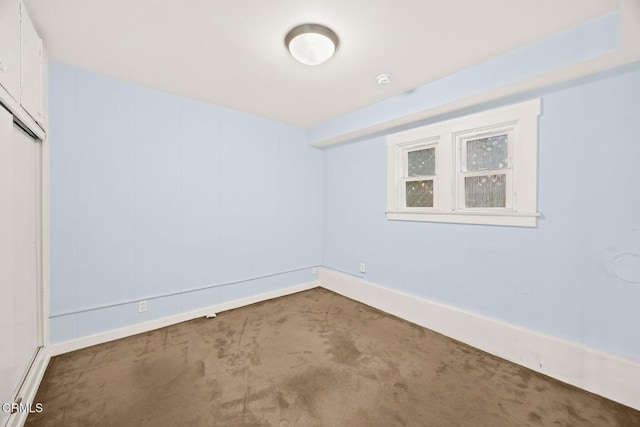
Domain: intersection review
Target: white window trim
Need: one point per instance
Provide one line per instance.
(449, 137)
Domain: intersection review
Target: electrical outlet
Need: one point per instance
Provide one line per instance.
(142, 306)
(314, 271)
(362, 268)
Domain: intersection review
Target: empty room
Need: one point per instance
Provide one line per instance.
(320, 213)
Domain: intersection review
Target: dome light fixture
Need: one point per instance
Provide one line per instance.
(311, 44)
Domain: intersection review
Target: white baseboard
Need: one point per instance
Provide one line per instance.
(30, 386)
(608, 375)
(77, 344)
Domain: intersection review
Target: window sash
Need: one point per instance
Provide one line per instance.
(417, 146)
(494, 131)
(405, 149)
(403, 191)
(509, 194)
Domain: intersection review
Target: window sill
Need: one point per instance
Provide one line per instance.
(512, 219)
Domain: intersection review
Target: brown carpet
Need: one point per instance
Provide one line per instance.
(309, 359)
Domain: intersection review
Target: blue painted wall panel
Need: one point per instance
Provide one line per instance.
(200, 195)
(236, 214)
(63, 249)
(199, 299)
(63, 328)
(157, 148)
(105, 165)
(106, 319)
(297, 166)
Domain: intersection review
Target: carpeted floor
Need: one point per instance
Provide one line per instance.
(309, 359)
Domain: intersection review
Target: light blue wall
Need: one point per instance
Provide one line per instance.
(159, 197)
(556, 278)
(586, 41)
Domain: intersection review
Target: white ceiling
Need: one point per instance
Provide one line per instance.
(232, 53)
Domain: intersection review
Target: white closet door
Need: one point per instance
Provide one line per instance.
(26, 260)
(6, 261)
(20, 263)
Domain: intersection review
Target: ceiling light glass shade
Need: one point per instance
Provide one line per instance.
(311, 44)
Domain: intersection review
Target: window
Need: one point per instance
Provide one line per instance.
(478, 169)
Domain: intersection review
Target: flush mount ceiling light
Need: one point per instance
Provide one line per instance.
(311, 44)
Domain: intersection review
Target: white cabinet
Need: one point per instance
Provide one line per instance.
(22, 78)
(10, 47)
(20, 257)
(31, 69)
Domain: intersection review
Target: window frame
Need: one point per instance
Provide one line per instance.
(449, 138)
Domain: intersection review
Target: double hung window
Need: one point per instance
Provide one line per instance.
(478, 169)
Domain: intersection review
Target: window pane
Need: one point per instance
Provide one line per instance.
(422, 162)
(489, 191)
(419, 194)
(487, 153)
